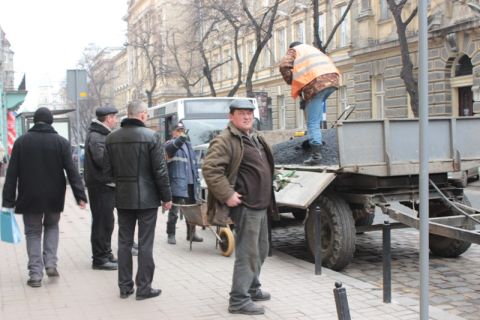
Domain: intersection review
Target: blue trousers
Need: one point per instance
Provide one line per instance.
(314, 112)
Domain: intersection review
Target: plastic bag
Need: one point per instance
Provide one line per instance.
(9, 230)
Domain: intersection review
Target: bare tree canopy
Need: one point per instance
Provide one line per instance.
(147, 45)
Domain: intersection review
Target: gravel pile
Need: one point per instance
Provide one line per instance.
(297, 150)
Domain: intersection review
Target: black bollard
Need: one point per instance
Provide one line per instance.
(318, 241)
(387, 264)
(341, 301)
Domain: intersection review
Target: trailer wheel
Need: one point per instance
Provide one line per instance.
(228, 242)
(337, 231)
(363, 215)
(442, 246)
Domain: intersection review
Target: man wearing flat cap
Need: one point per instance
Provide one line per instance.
(184, 180)
(100, 192)
(238, 170)
(37, 167)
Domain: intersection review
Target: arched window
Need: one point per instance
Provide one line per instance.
(464, 66)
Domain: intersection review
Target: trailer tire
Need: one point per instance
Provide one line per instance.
(337, 231)
(443, 246)
(363, 215)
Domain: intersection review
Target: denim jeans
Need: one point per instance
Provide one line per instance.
(251, 249)
(314, 111)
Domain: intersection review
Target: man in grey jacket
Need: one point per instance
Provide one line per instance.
(100, 192)
(135, 162)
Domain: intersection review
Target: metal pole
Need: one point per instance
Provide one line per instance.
(387, 263)
(318, 241)
(341, 301)
(423, 121)
(78, 120)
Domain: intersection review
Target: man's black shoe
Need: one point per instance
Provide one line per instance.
(126, 294)
(52, 272)
(249, 309)
(112, 259)
(105, 266)
(152, 294)
(34, 283)
(259, 295)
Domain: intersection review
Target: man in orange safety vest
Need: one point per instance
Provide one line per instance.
(313, 77)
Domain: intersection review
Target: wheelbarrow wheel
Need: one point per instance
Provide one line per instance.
(228, 242)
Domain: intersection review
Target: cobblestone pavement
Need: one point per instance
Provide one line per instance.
(454, 283)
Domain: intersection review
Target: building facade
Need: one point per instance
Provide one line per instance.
(365, 48)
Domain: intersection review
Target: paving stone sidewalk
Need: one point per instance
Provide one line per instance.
(195, 284)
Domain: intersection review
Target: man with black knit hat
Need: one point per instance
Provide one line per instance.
(37, 164)
(100, 192)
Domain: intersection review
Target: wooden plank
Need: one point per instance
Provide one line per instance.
(303, 189)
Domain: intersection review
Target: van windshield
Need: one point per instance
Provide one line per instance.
(201, 132)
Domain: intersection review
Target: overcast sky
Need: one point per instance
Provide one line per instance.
(48, 36)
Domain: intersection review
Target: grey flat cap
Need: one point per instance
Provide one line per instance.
(105, 110)
(241, 104)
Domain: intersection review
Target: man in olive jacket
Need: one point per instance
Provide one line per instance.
(37, 165)
(135, 162)
(100, 192)
(238, 170)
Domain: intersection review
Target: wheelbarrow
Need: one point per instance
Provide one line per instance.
(196, 215)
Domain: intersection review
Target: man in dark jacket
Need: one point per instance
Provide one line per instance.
(37, 166)
(136, 163)
(101, 193)
(238, 170)
(184, 180)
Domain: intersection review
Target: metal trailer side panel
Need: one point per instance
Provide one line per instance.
(391, 147)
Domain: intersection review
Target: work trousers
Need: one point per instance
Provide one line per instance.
(174, 211)
(127, 219)
(35, 223)
(251, 249)
(102, 201)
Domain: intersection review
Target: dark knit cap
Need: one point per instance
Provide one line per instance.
(43, 115)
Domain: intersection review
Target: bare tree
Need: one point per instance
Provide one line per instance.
(407, 75)
(186, 67)
(146, 41)
(317, 40)
(262, 26)
(100, 76)
(231, 12)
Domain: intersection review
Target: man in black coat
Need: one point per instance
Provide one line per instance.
(101, 193)
(37, 166)
(136, 163)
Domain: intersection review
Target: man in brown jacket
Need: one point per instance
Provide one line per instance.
(238, 170)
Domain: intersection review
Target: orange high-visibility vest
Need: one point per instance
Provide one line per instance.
(309, 63)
